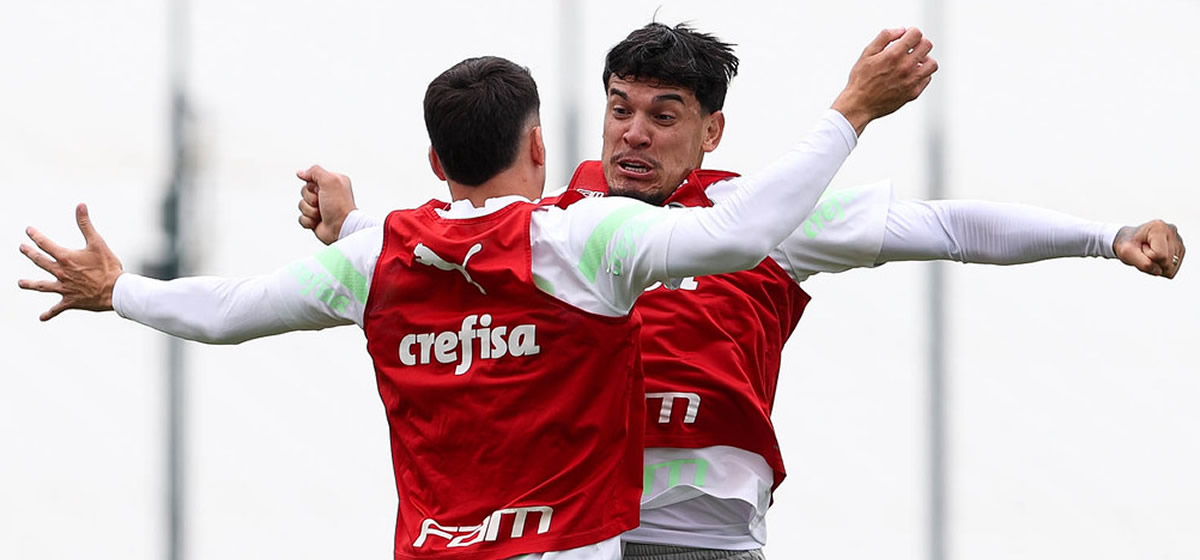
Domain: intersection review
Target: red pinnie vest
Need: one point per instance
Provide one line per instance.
(711, 349)
(516, 419)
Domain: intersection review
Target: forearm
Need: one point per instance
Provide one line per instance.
(991, 233)
(209, 309)
(765, 208)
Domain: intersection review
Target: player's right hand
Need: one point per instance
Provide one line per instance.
(83, 277)
(325, 200)
(1154, 247)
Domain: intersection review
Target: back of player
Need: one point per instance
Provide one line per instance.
(504, 440)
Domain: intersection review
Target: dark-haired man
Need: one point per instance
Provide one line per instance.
(484, 317)
(712, 348)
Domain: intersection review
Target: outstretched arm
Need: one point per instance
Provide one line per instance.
(995, 233)
(325, 290)
(864, 227)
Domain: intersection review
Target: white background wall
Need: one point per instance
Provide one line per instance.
(1073, 384)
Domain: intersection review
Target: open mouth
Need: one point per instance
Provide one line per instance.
(634, 167)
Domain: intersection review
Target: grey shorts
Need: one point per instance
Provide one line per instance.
(638, 551)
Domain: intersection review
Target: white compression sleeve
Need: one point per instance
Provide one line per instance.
(357, 220)
(764, 209)
(208, 309)
(988, 232)
(323, 290)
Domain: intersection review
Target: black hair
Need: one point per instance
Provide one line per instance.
(475, 113)
(676, 56)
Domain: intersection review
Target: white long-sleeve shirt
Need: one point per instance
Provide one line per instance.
(598, 255)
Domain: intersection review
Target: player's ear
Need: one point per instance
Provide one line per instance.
(537, 147)
(436, 165)
(714, 128)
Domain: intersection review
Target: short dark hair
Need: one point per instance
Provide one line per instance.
(475, 113)
(676, 56)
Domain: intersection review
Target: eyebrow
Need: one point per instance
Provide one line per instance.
(657, 98)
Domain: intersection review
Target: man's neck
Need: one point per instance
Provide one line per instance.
(508, 182)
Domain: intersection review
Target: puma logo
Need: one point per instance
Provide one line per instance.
(427, 257)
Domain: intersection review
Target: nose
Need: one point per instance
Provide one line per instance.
(638, 133)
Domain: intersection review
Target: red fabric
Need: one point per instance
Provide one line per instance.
(559, 426)
(720, 341)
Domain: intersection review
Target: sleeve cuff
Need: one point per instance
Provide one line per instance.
(839, 121)
(120, 296)
(357, 220)
(1108, 235)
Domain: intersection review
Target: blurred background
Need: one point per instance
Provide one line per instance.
(1069, 391)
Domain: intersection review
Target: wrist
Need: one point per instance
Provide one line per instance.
(855, 114)
(1118, 235)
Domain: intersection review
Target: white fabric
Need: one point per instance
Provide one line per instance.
(607, 549)
(990, 233)
(720, 499)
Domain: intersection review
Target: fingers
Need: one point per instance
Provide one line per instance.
(922, 49)
(48, 287)
(310, 209)
(926, 68)
(310, 216)
(40, 286)
(54, 311)
(308, 193)
(882, 40)
(1157, 247)
(1175, 249)
(44, 243)
(41, 260)
(1181, 253)
(908, 41)
(1142, 262)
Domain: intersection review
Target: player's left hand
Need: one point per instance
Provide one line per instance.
(84, 278)
(1154, 247)
(893, 70)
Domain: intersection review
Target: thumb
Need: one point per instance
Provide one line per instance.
(307, 174)
(85, 225)
(882, 40)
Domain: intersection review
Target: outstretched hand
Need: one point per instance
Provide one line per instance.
(893, 70)
(84, 278)
(325, 200)
(1154, 247)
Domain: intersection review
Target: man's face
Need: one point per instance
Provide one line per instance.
(654, 135)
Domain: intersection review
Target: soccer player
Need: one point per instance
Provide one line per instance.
(712, 348)
(483, 317)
